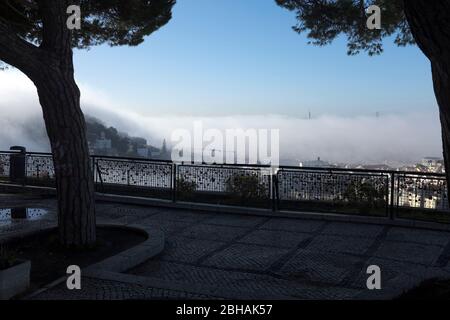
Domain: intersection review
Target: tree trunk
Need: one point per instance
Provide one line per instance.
(441, 80)
(60, 100)
(50, 67)
(429, 22)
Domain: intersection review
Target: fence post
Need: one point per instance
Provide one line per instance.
(18, 165)
(25, 182)
(93, 169)
(392, 194)
(174, 182)
(273, 180)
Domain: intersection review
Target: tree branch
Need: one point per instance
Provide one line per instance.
(15, 51)
(56, 37)
(430, 26)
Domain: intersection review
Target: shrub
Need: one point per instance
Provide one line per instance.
(185, 188)
(364, 193)
(2, 168)
(246, 187)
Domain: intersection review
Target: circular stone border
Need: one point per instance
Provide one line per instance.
(134, 256)
(120, 262)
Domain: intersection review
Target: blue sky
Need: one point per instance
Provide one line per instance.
(227, 57)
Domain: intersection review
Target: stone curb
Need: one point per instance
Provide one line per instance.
(121, 262)
(133, 256)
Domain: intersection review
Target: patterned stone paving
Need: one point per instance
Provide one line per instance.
(424, 254)
(340, 244)
(183, 249)
(353, 230)
(214, 233)
(99, 289)
(275, 238)
(274, 257)
(256, 258)
(292, 225)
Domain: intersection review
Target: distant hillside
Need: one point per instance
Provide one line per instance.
(104, 140)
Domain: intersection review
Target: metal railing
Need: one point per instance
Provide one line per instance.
(378, 193)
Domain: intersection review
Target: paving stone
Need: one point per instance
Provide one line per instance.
(179, 215)
(168, 226)
(194, 274)
(188, 250)
(99, 289)
(396, 276)
(226, 250)
(105, 207)
(235, 220)
(417, 235)
(293, 225)
(319, 267)
(246, 257)
(276, 238)
(238, 281)
(409, 252)
(131, 213)
(214, 232)
(446, 267)
(329, 243)
(353, 229)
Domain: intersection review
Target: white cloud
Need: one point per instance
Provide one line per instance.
(396, 138)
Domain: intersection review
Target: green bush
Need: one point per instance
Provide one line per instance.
(185, 189)
(365, 193)
(2, 168)
(246, 187)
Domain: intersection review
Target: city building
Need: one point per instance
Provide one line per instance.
(315, 164)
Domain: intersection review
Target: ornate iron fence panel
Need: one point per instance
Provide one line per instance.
(133, 173)
(408, 195)
(4, 166)
(335, 191)
(422, 196)
(221, 184)
(40, 169)
(214, 178)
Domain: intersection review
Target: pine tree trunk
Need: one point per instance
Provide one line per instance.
(441, 80)
(50, 67)
(60, 100)
(430, 25)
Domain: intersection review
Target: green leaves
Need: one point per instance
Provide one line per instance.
(115, 22)
(324, 20)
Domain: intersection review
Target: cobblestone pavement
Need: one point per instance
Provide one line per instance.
(100, 289)
(273, 257)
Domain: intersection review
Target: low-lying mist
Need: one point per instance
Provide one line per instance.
(393, 138)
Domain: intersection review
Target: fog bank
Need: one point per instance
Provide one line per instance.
(395, 138)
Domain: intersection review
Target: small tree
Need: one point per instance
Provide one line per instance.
(425, 22)
(185, 188)
(36, 39)
(363, 192)
(246, 187)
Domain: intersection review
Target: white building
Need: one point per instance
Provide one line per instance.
(103, 143)
(143, 152)
(315, 164)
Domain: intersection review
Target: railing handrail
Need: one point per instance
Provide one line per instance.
(385, 192)
(244, 165)
(355, 170)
